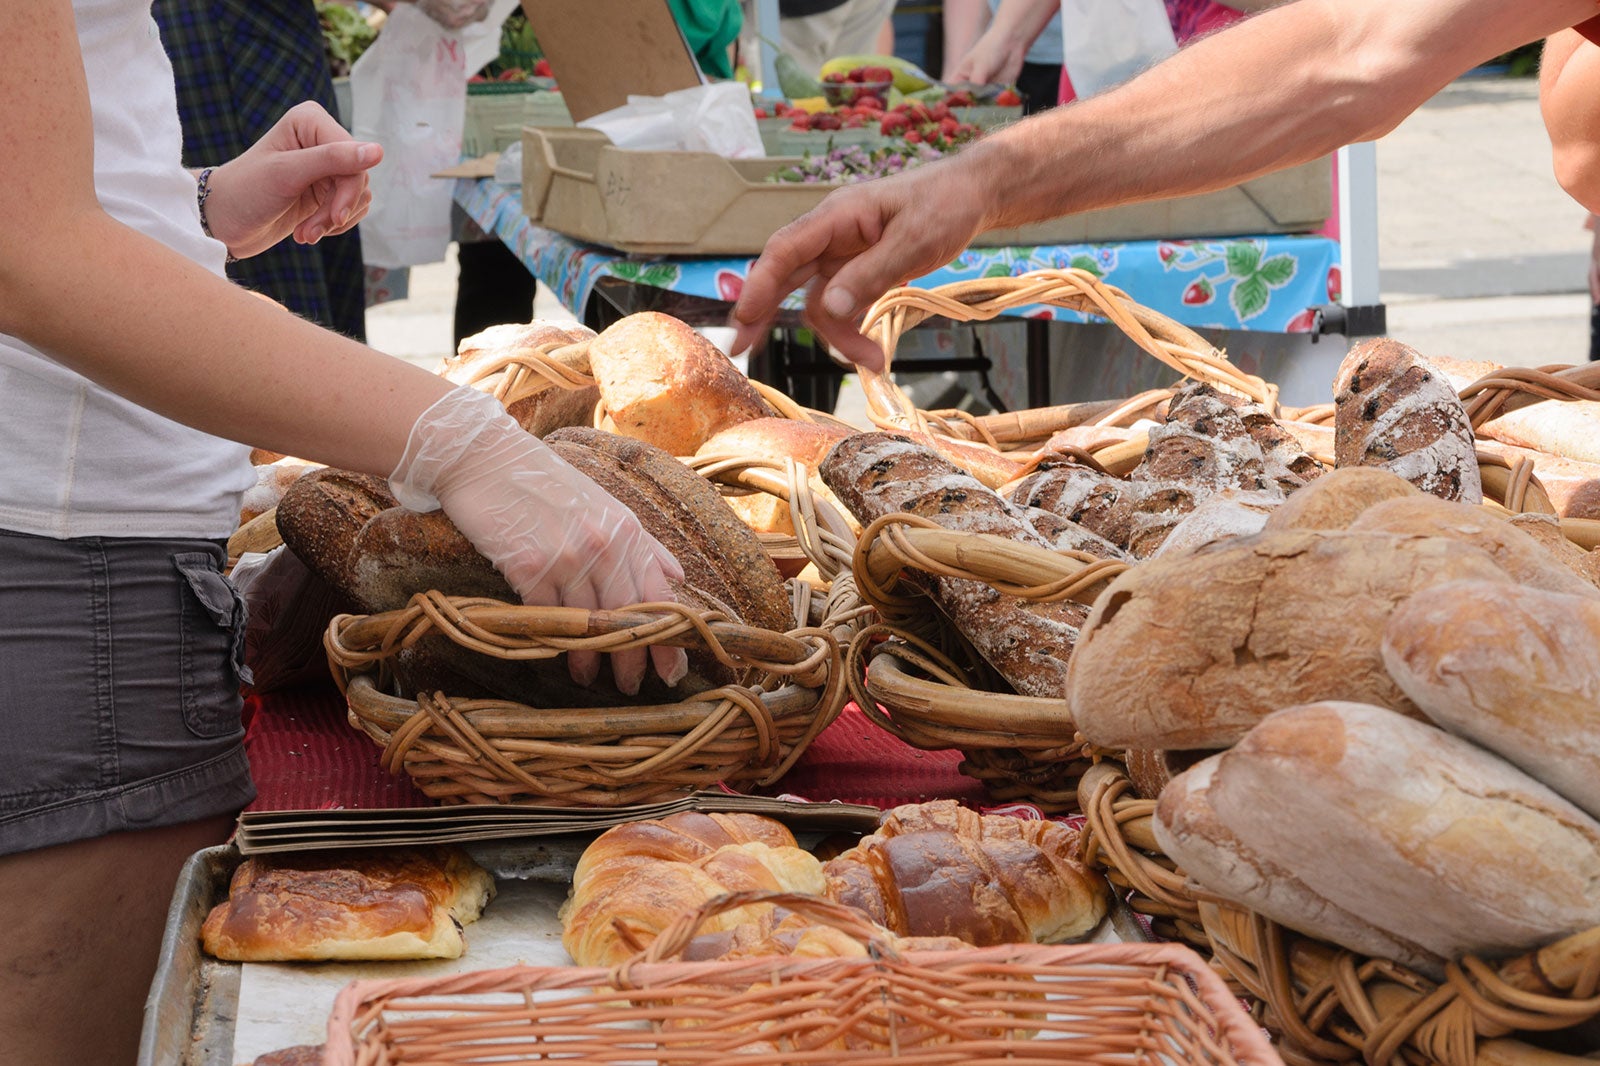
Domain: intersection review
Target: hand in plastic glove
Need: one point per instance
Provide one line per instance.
(306, 176)
(454, 14)
(559, 539)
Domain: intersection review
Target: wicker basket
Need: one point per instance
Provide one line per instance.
(1121, 1003)
(1325, 1004)
(498, 751)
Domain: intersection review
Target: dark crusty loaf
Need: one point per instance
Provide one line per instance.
(320, 516)
(1205, 445)
(1287, 461)
(875, 474)
(1136, 516)
(693, 505)
(1395, 411)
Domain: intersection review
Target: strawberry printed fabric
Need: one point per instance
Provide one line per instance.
(1270, 283)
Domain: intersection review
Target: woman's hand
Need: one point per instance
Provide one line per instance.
(454, 14)
(307, 177)
(996, 59)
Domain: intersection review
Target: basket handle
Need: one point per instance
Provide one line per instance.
(674, 939)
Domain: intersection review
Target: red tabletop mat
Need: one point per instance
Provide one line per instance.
(305, 755)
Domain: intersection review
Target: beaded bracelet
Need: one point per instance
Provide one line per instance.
(202, 193)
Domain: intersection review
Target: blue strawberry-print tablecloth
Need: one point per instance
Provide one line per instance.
(1267, 284)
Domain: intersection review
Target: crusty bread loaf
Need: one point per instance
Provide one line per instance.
(1135, 516)
(692, 504)
(1527, 561)
(985, 464)
(1573, 486)
(1334, 500)
(1423, 835)
(1151, 771)
(1208, 850)
(1067, 536)
(876, 474)
(665, 384)
(1191, 650)
(398, 553)
(1395, 411)
(320, 516)
(1223, 515)
(1546, 529)
(775, 439)
(1204, 445)
(272, 481)
(397, 903)
(1516, 670)
(1288, 462)
(551, 408)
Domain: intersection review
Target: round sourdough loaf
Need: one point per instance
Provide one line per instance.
(1337, 498)
(548, 409)
(1212, 854)
(1421, 834)
(665, 384)
(1191, 650)
(1516, 670)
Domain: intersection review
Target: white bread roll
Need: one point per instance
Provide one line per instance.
(1525, 559)
(1190, 833)
(1516, 670)
(1192, 650)
(1425, 836)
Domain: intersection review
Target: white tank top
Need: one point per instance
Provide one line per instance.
(75, 459)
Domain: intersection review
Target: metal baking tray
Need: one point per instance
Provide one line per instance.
(190, 1015)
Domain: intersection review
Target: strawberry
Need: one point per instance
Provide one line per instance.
(878, 74)
(476, 78)
(1199, 292)
(800, 121)
(959, 98)
(836, 78)
(894, 122)
(940, 111)
(913, 137)
(869, 101)
(949, 127)
(855, 122)
(1008, 98)
(541, 69)
(513, 74)
(825, 121)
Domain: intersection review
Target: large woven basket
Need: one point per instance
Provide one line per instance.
(460, 750)
(1325, 1004)
(1109, 1004)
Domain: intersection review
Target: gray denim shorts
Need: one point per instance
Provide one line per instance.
(120, 663)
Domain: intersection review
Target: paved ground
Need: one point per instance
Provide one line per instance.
(1483, 256)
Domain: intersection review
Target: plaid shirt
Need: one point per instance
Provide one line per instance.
(240, 65)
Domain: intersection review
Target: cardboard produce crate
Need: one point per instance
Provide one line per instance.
(696, 203)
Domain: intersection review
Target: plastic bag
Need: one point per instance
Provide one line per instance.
(1106, 42)
(705, 118)
(409, 93)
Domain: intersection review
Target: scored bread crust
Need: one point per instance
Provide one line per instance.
(402, 903)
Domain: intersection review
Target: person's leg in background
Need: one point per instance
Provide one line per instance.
(84, 923)
(1593, 225)
(492, 287)
(1039, 84)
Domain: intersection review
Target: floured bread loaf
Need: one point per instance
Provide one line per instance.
(1224, 515)
(394, 903)
(1213, 855)
(1135, 516)
(1515, 670)
(665, 384)
(877, 474)
(548, 409)
(1205, 445)
(1394, 410)
(1525, 559)
(1192, 650)
(1427, 837)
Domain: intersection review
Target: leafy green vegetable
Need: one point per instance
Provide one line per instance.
(345, 35)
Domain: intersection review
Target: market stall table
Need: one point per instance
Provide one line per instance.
(1263, 284)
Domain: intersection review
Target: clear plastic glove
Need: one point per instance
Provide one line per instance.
(454, 14)
(559, 539)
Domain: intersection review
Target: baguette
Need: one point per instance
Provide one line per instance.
(877, 474)
(1192, 650)
(1425, 836)
(1204, 445)
(1136, 516)
(1516, 670)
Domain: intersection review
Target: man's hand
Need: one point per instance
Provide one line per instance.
(454, 14)
(993, 60)
(860, 242)
(307, 177)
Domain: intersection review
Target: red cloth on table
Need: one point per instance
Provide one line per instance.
(305, 755)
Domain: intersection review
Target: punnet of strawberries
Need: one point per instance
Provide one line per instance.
(913, 120)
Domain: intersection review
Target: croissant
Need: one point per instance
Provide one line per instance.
(939, 869)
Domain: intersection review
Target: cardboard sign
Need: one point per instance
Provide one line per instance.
(602, 51)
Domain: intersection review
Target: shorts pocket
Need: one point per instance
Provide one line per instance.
(211, 649)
